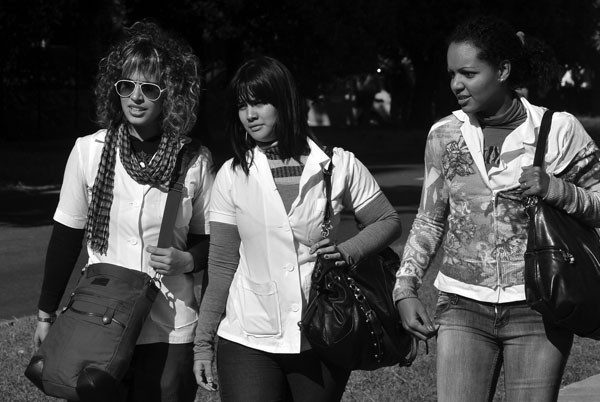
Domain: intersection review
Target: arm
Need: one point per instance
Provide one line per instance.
(577, 190)
(171, 261)
(423, 241)
(223, 259)
(382, 227)
(63, 251)
(575, 185)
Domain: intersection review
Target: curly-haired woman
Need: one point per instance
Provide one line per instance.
(114, 192)
(478, 170)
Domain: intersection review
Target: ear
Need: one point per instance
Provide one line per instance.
(504, 70)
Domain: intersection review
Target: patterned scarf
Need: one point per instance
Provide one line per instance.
(158, 172)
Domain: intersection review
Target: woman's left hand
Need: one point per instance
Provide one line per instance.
(534, 181)
(328, 249)
(170, 261)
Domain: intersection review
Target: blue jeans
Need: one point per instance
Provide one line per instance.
(475, 339)
(250, 375)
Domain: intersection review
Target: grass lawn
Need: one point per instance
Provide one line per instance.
(413, 384)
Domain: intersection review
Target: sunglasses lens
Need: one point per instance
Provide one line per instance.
(125, 88)
(151, 91)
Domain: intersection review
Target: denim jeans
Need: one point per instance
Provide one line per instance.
(475, 339)
(250, 375)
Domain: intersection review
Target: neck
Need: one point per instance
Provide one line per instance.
(144, 133)
(263, 145)
(502, 106)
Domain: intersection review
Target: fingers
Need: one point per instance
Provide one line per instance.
(204, 375)
(415, 318)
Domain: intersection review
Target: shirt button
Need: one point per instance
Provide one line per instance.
(295, 307)
(133, 241)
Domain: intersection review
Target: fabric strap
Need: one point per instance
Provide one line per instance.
(540, 149)
(165, 237)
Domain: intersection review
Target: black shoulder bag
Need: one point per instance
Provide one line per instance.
(89, 348)
(562, 262)
(351, 320)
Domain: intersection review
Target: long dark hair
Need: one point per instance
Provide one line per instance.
(533, 63)
(266, 80)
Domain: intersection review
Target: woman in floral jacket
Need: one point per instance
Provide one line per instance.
(478, 170)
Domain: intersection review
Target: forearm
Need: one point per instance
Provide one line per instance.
(582, 203)
(62, 254)
(198, 248)
(423, 241)
(382, 227)
(223, 259)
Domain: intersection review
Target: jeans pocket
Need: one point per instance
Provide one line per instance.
(444, 302)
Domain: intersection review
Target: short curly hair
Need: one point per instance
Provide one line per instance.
(148, 49)
(532, 61)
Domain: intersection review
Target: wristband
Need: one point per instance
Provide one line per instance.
(50, 319)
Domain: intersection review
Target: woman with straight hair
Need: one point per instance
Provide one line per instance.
(478, 173)
(266, 211)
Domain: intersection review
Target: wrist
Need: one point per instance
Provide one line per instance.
(46, 317)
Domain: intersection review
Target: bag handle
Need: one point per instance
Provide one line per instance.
(540, 149)
(165, 238)
(326, 225)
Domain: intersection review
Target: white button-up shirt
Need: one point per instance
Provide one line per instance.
(272, 281)
(135, 218)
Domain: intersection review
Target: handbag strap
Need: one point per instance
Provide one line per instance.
(165, 238)
(540, 149)
(326, 225)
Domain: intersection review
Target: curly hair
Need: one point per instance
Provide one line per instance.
(170, 63)
(532, 62)
(150, 50)
(266, 80)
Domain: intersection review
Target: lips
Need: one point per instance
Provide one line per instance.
(136, 111)
(255, 128)
(462, 99)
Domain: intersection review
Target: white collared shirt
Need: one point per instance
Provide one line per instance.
(135, 217)
(272, 281)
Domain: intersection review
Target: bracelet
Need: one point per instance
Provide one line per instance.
(50, 319)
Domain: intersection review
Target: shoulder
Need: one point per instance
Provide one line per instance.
(448, 124)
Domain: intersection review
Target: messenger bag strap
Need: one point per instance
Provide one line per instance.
(540, 149)
(165, 238)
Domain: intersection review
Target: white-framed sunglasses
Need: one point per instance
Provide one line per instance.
(150, 90)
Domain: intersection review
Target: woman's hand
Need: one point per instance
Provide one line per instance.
(41, 331)
(415, 318)
(328, 249)
(170, 261)
(204, 375)
(534, 181)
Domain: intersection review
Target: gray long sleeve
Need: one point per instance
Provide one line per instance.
(382, 227)
(223, 259)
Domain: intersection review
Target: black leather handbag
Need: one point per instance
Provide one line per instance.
(89, 348)
(562, 262)
(351, 320)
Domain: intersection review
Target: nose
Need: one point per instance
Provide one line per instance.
(251, 114)
(456, 84)
(137, 95)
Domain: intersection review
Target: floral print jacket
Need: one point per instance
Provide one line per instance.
(473, 220)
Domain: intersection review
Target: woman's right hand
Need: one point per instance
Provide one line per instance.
(415, 318)
(203, 370)
(41, 331)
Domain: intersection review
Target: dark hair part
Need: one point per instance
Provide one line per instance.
(158, 55)
(532, 63)
(266, 80)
